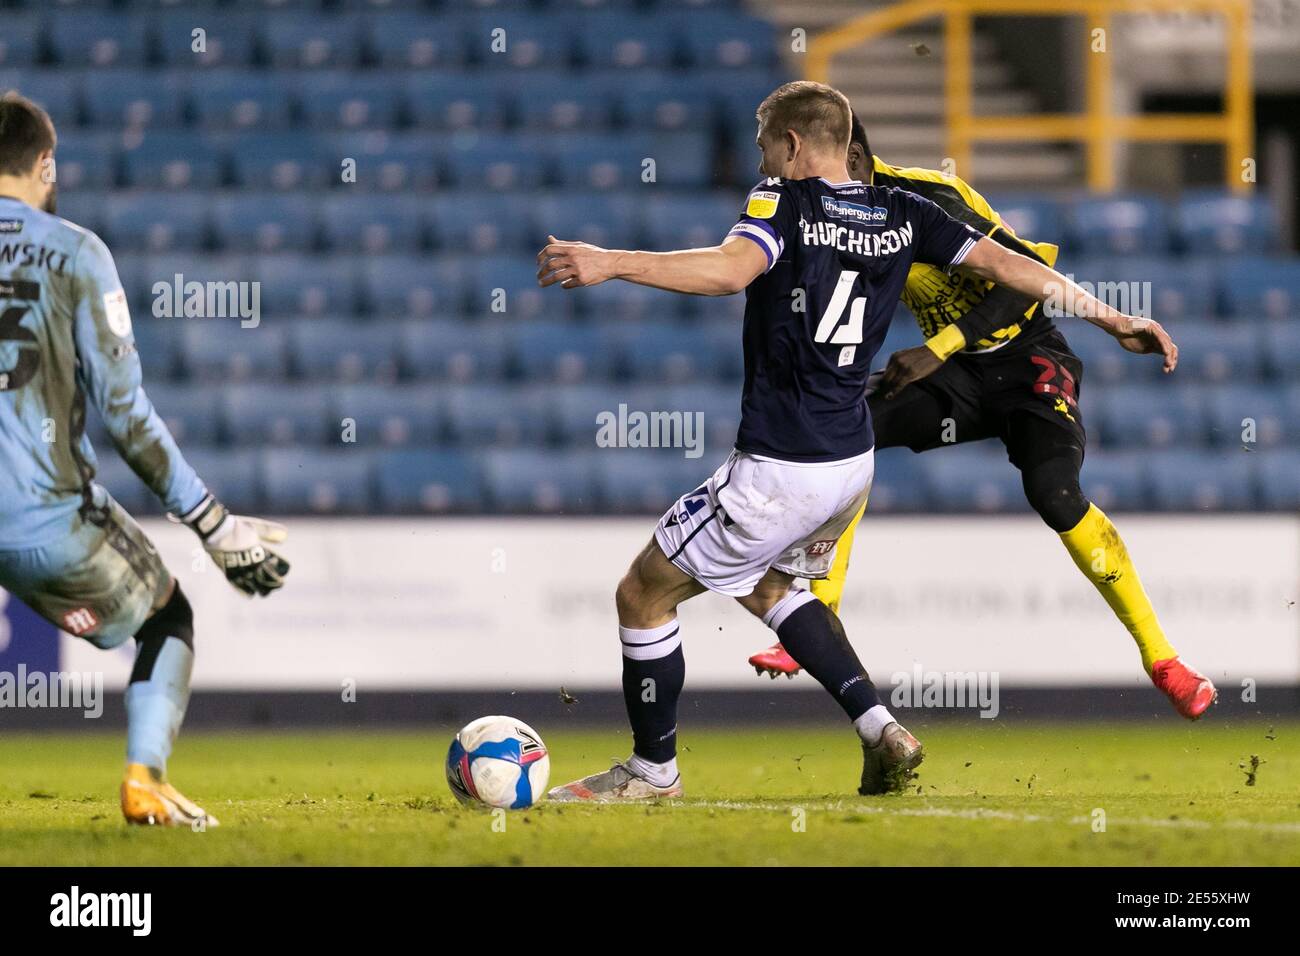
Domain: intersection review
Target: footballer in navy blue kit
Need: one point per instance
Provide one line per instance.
(822, 260)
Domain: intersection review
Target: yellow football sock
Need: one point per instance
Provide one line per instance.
(1097, 549)
(831, 588)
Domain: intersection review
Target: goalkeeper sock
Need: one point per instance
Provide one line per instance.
(654, 671)
(816, 639)
(830, 590)
(159, 690)
(1097, 549)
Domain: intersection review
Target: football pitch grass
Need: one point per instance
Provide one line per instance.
(988, 793)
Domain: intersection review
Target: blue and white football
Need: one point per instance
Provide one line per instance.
(498, 762)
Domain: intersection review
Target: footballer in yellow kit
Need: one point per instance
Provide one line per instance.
(994, 366)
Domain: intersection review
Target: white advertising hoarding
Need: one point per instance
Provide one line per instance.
(528, 604)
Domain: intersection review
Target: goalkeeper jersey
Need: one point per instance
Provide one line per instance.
(937, 297)
(65, 337)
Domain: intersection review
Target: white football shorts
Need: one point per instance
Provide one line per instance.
(758, 513)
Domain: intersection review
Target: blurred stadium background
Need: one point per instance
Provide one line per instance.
(212, 141)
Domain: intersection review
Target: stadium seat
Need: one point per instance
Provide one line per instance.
(621, 302)
(898, 486)
(663, 352)
(373, 224)
(690, 221)
(1279, 479)
(245, 222)
(135, 99)
(573, 411)
(237, 99)
(307, 285)
(1157, 415)
(220, 350)
(1197, 481)
(412, 40)
(1268, 288)
(274, 415)
(627, 42)
(498, 161)
(343, 350)
(192, 416)
(263, 160)
(228, 38)
(337, 481)
(444, 101)
(234, 475)
(665, 101)
(170, 159)
(87, 160)
(720, 406)
(646, 481)
(513, 40)
(1213, 222)
(1217, 353)
(1120, 225)
(490, 415)
(97, 38)
(728, 39)
(1031, 217)
(155, 222)
(408, 286)
(1115, 481)
(554, 101)
(393, 162)
(562, 352)
(547, 482)
(18, 44)
(972, 478)
(1250, 417)
(55, 91)
(158, 343)
(393, 416)
(448, 350)
(1282, 348)
(485, 223)
(1162, 288)
(348, 101)
(312, 40)
(611, 220)
(434, 482)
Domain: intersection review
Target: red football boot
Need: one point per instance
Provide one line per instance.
(1190, 691)
(774, 661)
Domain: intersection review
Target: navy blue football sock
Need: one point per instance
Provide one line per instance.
(653, 673)
(814, 637)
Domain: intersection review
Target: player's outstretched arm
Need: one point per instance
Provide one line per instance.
(109, 368)
(1044, 284)
(716, 270)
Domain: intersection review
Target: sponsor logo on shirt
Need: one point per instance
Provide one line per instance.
(762, 204)
(866, 215)
(11, 225)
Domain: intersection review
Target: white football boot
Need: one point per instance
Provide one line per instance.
(618, 784)
(887, 767)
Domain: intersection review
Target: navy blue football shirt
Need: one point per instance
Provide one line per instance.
(837, 261)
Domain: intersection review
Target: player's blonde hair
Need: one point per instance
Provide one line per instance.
(819, 113)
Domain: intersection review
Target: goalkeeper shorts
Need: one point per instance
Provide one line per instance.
(758, 513)
(101, 581)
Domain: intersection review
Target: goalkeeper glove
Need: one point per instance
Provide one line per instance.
(237, 545)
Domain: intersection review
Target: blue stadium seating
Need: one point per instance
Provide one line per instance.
(386, 176)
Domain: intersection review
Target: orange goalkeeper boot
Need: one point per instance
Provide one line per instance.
(774, 661)
(1190, 691)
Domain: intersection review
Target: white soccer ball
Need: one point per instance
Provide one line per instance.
(499, 762)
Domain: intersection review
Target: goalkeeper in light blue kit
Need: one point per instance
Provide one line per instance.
(67, 549)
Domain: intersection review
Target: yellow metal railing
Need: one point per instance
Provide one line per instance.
(1097, 127)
